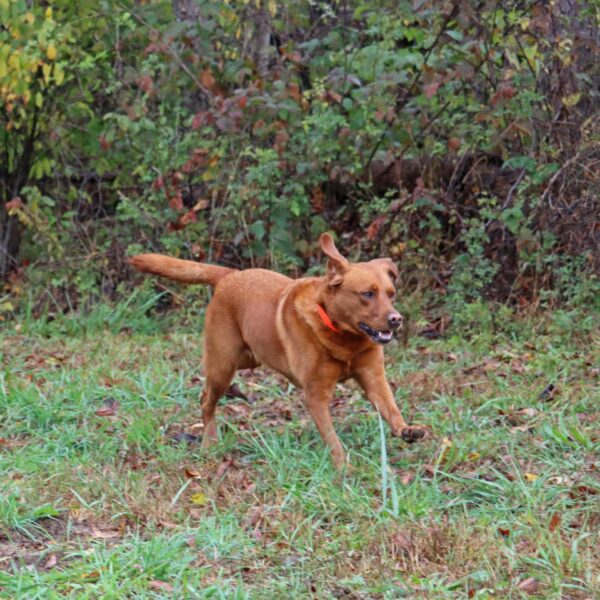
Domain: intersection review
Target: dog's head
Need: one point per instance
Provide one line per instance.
(361, 294)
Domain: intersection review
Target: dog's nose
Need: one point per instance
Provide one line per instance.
(394, 320)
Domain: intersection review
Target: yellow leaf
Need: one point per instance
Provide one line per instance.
(209, 174)
(530, 477)
(13, 62)
(39, 100)
(49, 13)
(474, 456)
(29, 18)
(199, 498)
(46, 70)
(51, 52)
(3, 69)
(59, 75)
(272, 7)
(571, 100)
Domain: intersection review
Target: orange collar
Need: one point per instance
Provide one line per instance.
(326, 320)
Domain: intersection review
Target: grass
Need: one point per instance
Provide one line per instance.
(503, 501)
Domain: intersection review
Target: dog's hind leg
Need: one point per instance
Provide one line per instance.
(218, 378)
(224, 352)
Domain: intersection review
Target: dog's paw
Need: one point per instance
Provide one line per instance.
(413, 433)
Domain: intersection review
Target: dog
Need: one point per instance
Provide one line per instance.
(315, 330)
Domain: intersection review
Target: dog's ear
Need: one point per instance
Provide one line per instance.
(389, 265)
(337, 264)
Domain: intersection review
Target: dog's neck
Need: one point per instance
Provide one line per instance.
(326, 320)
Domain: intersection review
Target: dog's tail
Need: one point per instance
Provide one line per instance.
(186, 271)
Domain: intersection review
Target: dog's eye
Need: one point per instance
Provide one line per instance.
(368, 294)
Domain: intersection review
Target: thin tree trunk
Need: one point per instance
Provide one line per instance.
(263, 42)
(10, 239)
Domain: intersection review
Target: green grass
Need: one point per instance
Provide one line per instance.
(506, 489)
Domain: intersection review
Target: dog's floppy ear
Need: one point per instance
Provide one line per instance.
(389, 265)
(337, 264)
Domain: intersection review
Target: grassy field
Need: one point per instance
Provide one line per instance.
(103, 496)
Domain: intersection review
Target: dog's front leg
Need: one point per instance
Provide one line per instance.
(371, 378)
(318, 398)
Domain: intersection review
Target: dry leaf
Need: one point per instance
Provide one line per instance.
(527, 412)
(222, 468)
(554, 522)
(191, 473)
(108, 409)
(254, 517)
(401, 542)
(529, 585)
(199, 498)
(406, 478)
(530, 477)
(105, 535)
(51, 562)
(163, 586)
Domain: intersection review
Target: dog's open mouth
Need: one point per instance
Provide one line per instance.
(379, 337)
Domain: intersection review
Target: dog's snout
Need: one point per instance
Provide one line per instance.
(394, 320)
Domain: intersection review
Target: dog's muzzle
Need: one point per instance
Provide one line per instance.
(378, 336)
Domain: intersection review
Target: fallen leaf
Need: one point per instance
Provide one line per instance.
(429, 470)
(401, 542)
(503, 532)
(51, 562)
(254, 517)
(527, 412)
(531, 477)
(406, 478)
(108, 409)
(529, 585)
(580, 492)
(191, 473)
(554, 522)
(105, 535)
(199, 498)
(222, 468)
(163, 586)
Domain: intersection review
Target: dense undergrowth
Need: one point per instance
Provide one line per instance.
(459, 137)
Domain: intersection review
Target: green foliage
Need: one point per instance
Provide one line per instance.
(135, 126)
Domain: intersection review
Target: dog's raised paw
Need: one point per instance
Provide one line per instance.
(413, 434)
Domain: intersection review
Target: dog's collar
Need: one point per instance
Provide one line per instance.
(326, 320)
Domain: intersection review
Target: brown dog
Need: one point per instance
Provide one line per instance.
(315, 330)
